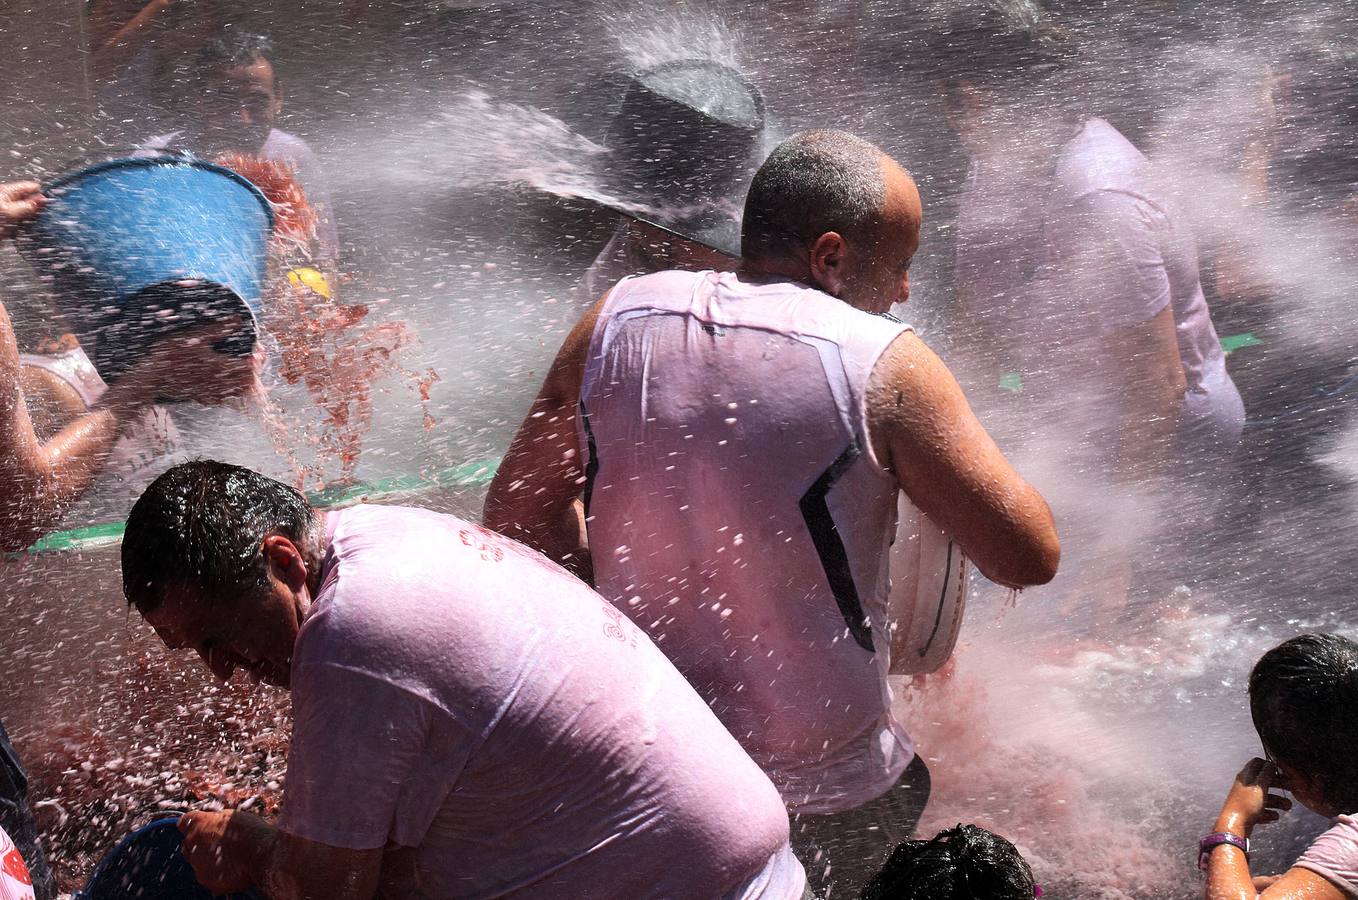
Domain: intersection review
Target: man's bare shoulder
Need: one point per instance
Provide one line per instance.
(907, 367)
(911, 394)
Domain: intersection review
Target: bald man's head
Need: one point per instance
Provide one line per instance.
(840, 206)
(814, 182)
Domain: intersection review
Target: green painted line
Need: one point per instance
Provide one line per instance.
(1011, 381)
(472, 474)
(80, 538)
(1234, 342)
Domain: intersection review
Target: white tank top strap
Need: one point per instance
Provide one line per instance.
(74, 368)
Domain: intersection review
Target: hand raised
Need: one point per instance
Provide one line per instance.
(1250, 801)
(19, 202)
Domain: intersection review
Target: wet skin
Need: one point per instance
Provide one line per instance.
(872, 277)
(255, 632)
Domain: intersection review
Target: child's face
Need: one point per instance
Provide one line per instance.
(1306, 789)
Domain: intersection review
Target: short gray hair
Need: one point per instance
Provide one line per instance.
(814, 182)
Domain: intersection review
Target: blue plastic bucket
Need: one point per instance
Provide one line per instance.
(148, 865)
(140, 247)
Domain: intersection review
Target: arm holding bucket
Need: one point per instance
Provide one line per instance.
(234, 851)
(923, 430)
(535, 495)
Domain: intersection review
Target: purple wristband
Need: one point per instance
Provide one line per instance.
(1216, 839)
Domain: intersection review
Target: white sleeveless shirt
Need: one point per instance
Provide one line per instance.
(736, 510)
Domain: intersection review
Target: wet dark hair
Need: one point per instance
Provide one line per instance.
(962, 863)
(814, 182)
(232, 49)
(201, 525)
(1304, 702)
(1000, 45)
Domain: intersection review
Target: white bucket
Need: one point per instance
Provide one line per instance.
(929, 581)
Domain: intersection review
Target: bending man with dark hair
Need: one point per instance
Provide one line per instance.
(468, 719)
(738, 441)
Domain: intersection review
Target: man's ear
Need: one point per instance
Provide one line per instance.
(829, 263)
(285, 561)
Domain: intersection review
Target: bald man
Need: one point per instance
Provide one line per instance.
(738, 441)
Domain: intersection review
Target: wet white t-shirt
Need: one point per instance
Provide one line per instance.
(504, 732)
(737, 512)
(1052, 271)
(1334, 856)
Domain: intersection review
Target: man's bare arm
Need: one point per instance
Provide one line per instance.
(923, 430)
(1152, 384)
(534, 497)
(231, 851)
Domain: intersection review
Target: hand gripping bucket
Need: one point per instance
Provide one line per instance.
(137, 248)
(148, 865)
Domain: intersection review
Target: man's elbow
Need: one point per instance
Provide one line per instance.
(1030, 557)
(1042, 560)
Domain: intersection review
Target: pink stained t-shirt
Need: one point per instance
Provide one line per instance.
(1334, 856)
(504, 732)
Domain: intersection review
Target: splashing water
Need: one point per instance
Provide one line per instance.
(1105, 760)
(649, 37)
(328, 347)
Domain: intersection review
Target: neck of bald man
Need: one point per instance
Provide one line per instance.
(777, 268)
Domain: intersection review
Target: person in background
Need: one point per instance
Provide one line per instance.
(1304, 702)
(962, 863)
(1078, 280)
(722, 454)
(234, 111)
(468, 719)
